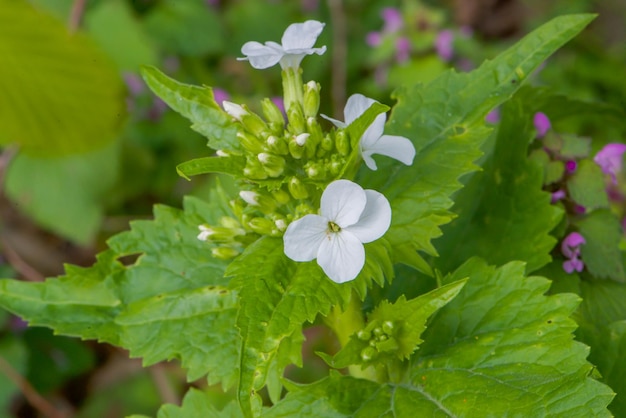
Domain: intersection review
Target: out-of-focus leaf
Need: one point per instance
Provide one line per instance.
(601, 253)
(59, 94)
(15, 354)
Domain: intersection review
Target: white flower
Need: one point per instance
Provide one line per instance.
(350, 217)
(373, 141)
(205, 232)
(234, 110)
(297, 41)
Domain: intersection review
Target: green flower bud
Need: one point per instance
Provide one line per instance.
(296, 145)
(388, 345)
(252, 122)
(328, 143)
(335, 165)
(262, 226)
(315, 171)
(281, 224)
(273, 164)
(228, 222)
(277, 144)
(388, 327)
(297, 189)
(221, 234)
(253, 169)
(224, 253)
(381, 337)
(368, 354)
(281, 196)
(378, 331)
(264, 203)
(364, 335)
(342, 142)
(250, 142)
(304, 209)
(272, 113)
(297, 123)
(311, 98)
(316, 137)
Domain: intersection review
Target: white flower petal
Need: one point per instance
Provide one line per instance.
(373, 132)
(303, 237)
(343, 202)
(262, 56)
(341, 256)
(374, 220)
(234, 110)
(396, 147)
(356, 105)
(301, 35)
(337, 123)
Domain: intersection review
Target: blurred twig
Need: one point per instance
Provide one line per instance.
(340, 55)
(162, 383)
(32, 396)
(76, 15)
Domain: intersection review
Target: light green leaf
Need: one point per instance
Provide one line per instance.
(59, 94)
(601, 253)
(586, 187)
(161, 297)
(402, 322)
(227, 165)
(500, 347)
(66, 195)
(128, 45)
(610, 357)
(196, 104)
(503, 203)
(197, 404)
(445, 121)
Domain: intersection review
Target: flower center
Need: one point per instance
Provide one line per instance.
(333, 227)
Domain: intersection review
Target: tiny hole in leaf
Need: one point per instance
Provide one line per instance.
(129, 260)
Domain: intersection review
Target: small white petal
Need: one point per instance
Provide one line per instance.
(234, 110)
(249, 197)
(373, 132)
(341, 256)
(356, 105)
(374, 220)
(262, 56)
(343, 202)
(303, 237)
(301, 35)
(337, 123)
(301, 139)
(396, 147)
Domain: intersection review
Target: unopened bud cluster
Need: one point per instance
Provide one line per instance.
(380, 339)
(229, 237)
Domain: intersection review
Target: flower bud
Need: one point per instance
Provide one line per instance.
(273, 114)
(234, 110)
(364, 335)
(281, 224)
(250, 142)
(253, 169)
(388, 327)
(277, 144)
(224, 253)
(255, 125)
(315, 138)
(297, 123)
(387, 345)
(342, 142)
(274, 165)
(264, 203)
(315, 171)
(335, 165)
(297, 189)
(281, 196)
(304, 209)
(368, 354)
(295, 149)
(262, 226)
(311, 98)
(327, 144)
(378, 331)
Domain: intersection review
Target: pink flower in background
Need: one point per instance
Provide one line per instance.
(373, 39)
(220, 95)
(308, 6)
(609, 159)
(542, 124)
(393, 19)
(493, 116)
(403, 49)
(570, 247)
(278, 101)
(134, 83)
(558, 195)
(571, 166)
(443, 45)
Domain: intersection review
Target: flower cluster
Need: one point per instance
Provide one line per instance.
(570, 247)
(290, 165)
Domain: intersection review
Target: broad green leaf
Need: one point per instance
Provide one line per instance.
(66, 195)
(59, 94)
(227, 165)
(610, 357)
(586, 187)
(173, 294)
(128, 45)
(444, 120)
(197, 404)
(402, 323)
(500, 347)
(601, 253)
(187, 27)
(503, 203)
(196, 104)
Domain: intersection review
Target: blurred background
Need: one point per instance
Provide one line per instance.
(85, 147)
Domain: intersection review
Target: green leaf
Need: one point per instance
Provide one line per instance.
(601, 253)
(445, 121)
(227, 165)
(610, 357)
(586, 186)
(196, 104)
(503, 202)
(60, 94)
(171, 303)
(66, 195)
(500, 346)
(277, 297)
(128, 45)
(187, 27)
(197, 404)
(402, 322)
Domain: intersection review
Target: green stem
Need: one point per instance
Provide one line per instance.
(292, 87)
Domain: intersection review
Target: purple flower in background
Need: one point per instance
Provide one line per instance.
(571, 166)
(220, 95)
(403, 49)
(493, 116)
(443, 45)
(309, 5)
(570, 247)
(134, 83)
(542, 124)
(393, 19)
(373, 39)
(609, 159)
(558, 195)
(278, 101)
